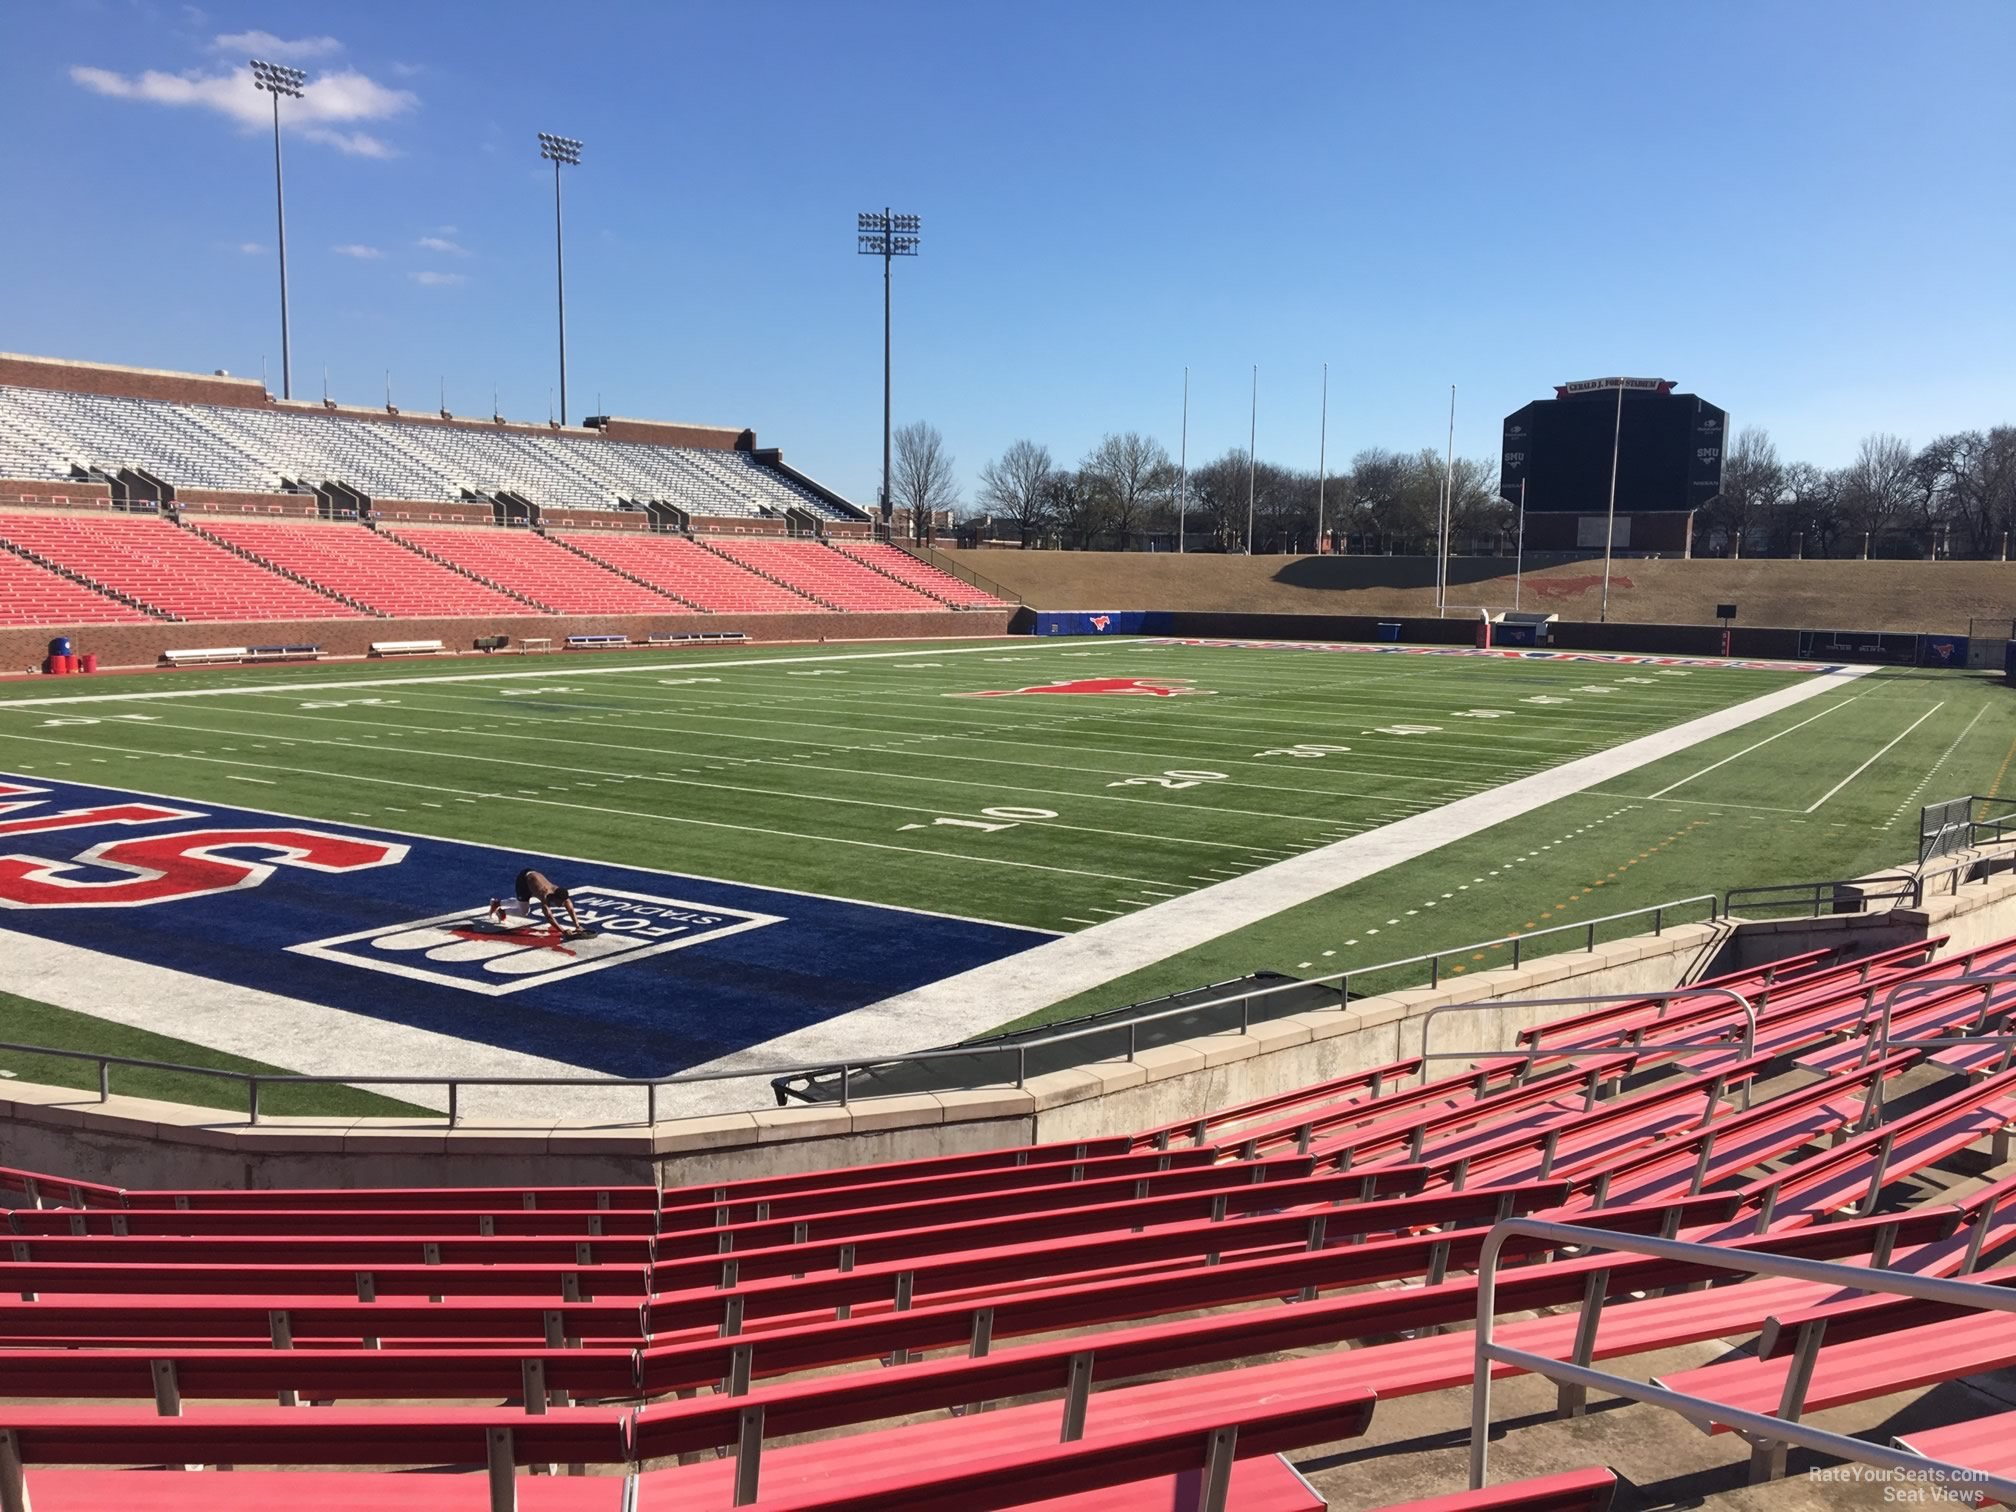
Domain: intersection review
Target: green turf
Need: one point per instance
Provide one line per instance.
(862, 771)
(30, 1023)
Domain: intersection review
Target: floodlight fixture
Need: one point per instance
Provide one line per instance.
(558, 150)
(888, 235)
(278, 79)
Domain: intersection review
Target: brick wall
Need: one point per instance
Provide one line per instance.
(594, 519)
(432, 511)
(224, 501)
(48, 495)
(739, 526)
(127, 382)
(669, 433)
(142, 645)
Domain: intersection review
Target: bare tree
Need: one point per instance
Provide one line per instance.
(1016, 485)
(1877, 488)
(1078, 507)
(1753, 484)
(1218, 499)
(923, 484)
(1132, 472)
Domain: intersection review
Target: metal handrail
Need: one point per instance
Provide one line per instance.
(1534, 1052)
(1762, 1428)
(453, 1085)
(1876, 1050)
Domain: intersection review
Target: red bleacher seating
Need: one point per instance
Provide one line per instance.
(893, 561)
(364, 565)
(1159, 1264)
(691, 572)
(827, 575)
(1986, 1444)
(172, 569)
(526, 563)
(32, 595)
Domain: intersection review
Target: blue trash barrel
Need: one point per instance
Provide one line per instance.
(1389, 630)
(60, 646)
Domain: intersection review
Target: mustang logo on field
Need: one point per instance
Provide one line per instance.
(1153, 687)
(466, 950)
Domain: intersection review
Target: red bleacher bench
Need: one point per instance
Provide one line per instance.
(1986, 1444)
(315, 1491)
(1571, 1491)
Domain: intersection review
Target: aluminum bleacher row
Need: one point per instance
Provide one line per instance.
(93, 568)
(48, 433)
(930, 1333)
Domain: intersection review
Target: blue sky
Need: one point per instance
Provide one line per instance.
(1801, 210)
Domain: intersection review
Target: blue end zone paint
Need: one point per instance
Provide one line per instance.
(682, 971)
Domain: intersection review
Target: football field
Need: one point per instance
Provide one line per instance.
(1057, 825)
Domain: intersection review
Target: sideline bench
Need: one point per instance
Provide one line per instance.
(408, 648)
(597, 642)
(693, 637)
(192, 656)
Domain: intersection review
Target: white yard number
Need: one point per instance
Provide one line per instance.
(1595, 688)
(1305, 752)
(1176, 778)
(1481, 714)
(1644, 681)
(347, 703)
(536, 692)
(819, 672)
(1406, 729)
(57, 724)
(680, 682)
(1546, 698)
(1005, 818)
(1671, 672)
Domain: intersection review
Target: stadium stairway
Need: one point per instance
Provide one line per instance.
(365, 566)
(820, 572)
(537, 570)
(894, 562)
(1105, 1323)
(173, 572)
(423, 542)
(687, 570)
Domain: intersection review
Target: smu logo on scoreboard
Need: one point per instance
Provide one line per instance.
(466, 950)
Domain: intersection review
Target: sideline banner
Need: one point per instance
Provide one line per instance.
(1108, 622)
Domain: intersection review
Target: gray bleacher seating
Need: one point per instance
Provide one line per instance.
(46, 433)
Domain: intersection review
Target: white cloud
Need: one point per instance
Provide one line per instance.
(357, 250)
(250, 247)
(331, 98)
(442, 244)
(434, 280)
(263, 44)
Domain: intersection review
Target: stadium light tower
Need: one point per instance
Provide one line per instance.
(559, 150)
(887, 235)
(277, 79)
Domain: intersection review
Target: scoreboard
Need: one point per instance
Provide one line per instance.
(1668, 449)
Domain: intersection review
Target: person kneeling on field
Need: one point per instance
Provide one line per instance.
(537, 887)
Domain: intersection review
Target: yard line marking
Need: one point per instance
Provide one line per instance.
(721, 824)
(1878, 756)
(1749, 748)
(464, 677)
(264, 781)
(990, 995)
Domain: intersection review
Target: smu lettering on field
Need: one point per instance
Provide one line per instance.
(680, 969)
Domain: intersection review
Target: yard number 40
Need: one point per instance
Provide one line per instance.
(1005, 818)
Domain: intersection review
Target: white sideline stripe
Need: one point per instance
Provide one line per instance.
(1003, 991)
(549, 675)
(1749, 748)
(1878, 756)
(268, 1028)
